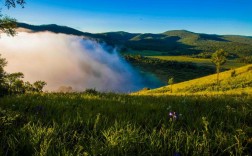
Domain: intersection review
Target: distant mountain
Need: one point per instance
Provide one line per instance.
(176, 42)
(53, 28)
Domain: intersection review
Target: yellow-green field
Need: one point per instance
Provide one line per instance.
(229, 64)
(239, 82)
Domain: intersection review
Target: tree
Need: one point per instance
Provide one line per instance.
(170, 82)
(219, 58)
(14, 83)
(3, 63)
(7, 24)
(39, 85)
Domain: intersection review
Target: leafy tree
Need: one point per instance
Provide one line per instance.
(14, 83)
(39, 85)
(3, 63)
(170, 82)
(28, 87)
(219, 58)
(7, 24)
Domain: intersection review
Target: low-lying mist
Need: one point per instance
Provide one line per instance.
(65, 60)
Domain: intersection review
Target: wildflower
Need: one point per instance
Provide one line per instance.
(173, 115)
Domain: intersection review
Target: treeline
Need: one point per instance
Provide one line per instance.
(139, 59)
(13, 83)
(245, 59)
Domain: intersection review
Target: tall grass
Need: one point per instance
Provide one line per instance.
(113, 124)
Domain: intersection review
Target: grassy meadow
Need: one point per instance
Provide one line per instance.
(114, 124)
(235, 81)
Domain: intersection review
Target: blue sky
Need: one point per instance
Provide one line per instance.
(144, 16)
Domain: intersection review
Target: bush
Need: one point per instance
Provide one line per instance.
(91, 91)
(233, 73)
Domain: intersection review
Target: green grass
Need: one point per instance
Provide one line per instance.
(202, 62)
(112, 124)
(232, 81)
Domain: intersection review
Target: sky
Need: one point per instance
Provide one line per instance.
(228, 17)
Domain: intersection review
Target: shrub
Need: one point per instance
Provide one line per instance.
(233, 73)
(91, 91)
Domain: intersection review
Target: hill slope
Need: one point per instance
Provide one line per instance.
(236, 80)
(176, 42)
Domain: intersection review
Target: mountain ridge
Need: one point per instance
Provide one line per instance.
(173, 42)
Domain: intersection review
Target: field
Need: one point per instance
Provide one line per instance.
(235, 81)
(231, 63)
(113, 124)
(200, 61)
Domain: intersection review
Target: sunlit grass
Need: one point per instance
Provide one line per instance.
(239, 83)
(113, 124)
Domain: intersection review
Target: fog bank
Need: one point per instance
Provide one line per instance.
(65, 60)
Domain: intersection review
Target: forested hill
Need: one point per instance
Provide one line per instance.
(176, 42)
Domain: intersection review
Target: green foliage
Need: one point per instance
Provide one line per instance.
(219, 58)
(112, 124)
(12, 83)
(14, 3)
(7, 24)
(3, 63)
(170, 82)
(233, 73)
(246, 59)
(39, 85)
(91, 91)
(203, 55)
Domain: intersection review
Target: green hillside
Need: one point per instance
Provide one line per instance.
(176, 42)
(232, 81)
(54, 28)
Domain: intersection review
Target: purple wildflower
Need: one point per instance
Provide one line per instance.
(173, 115)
